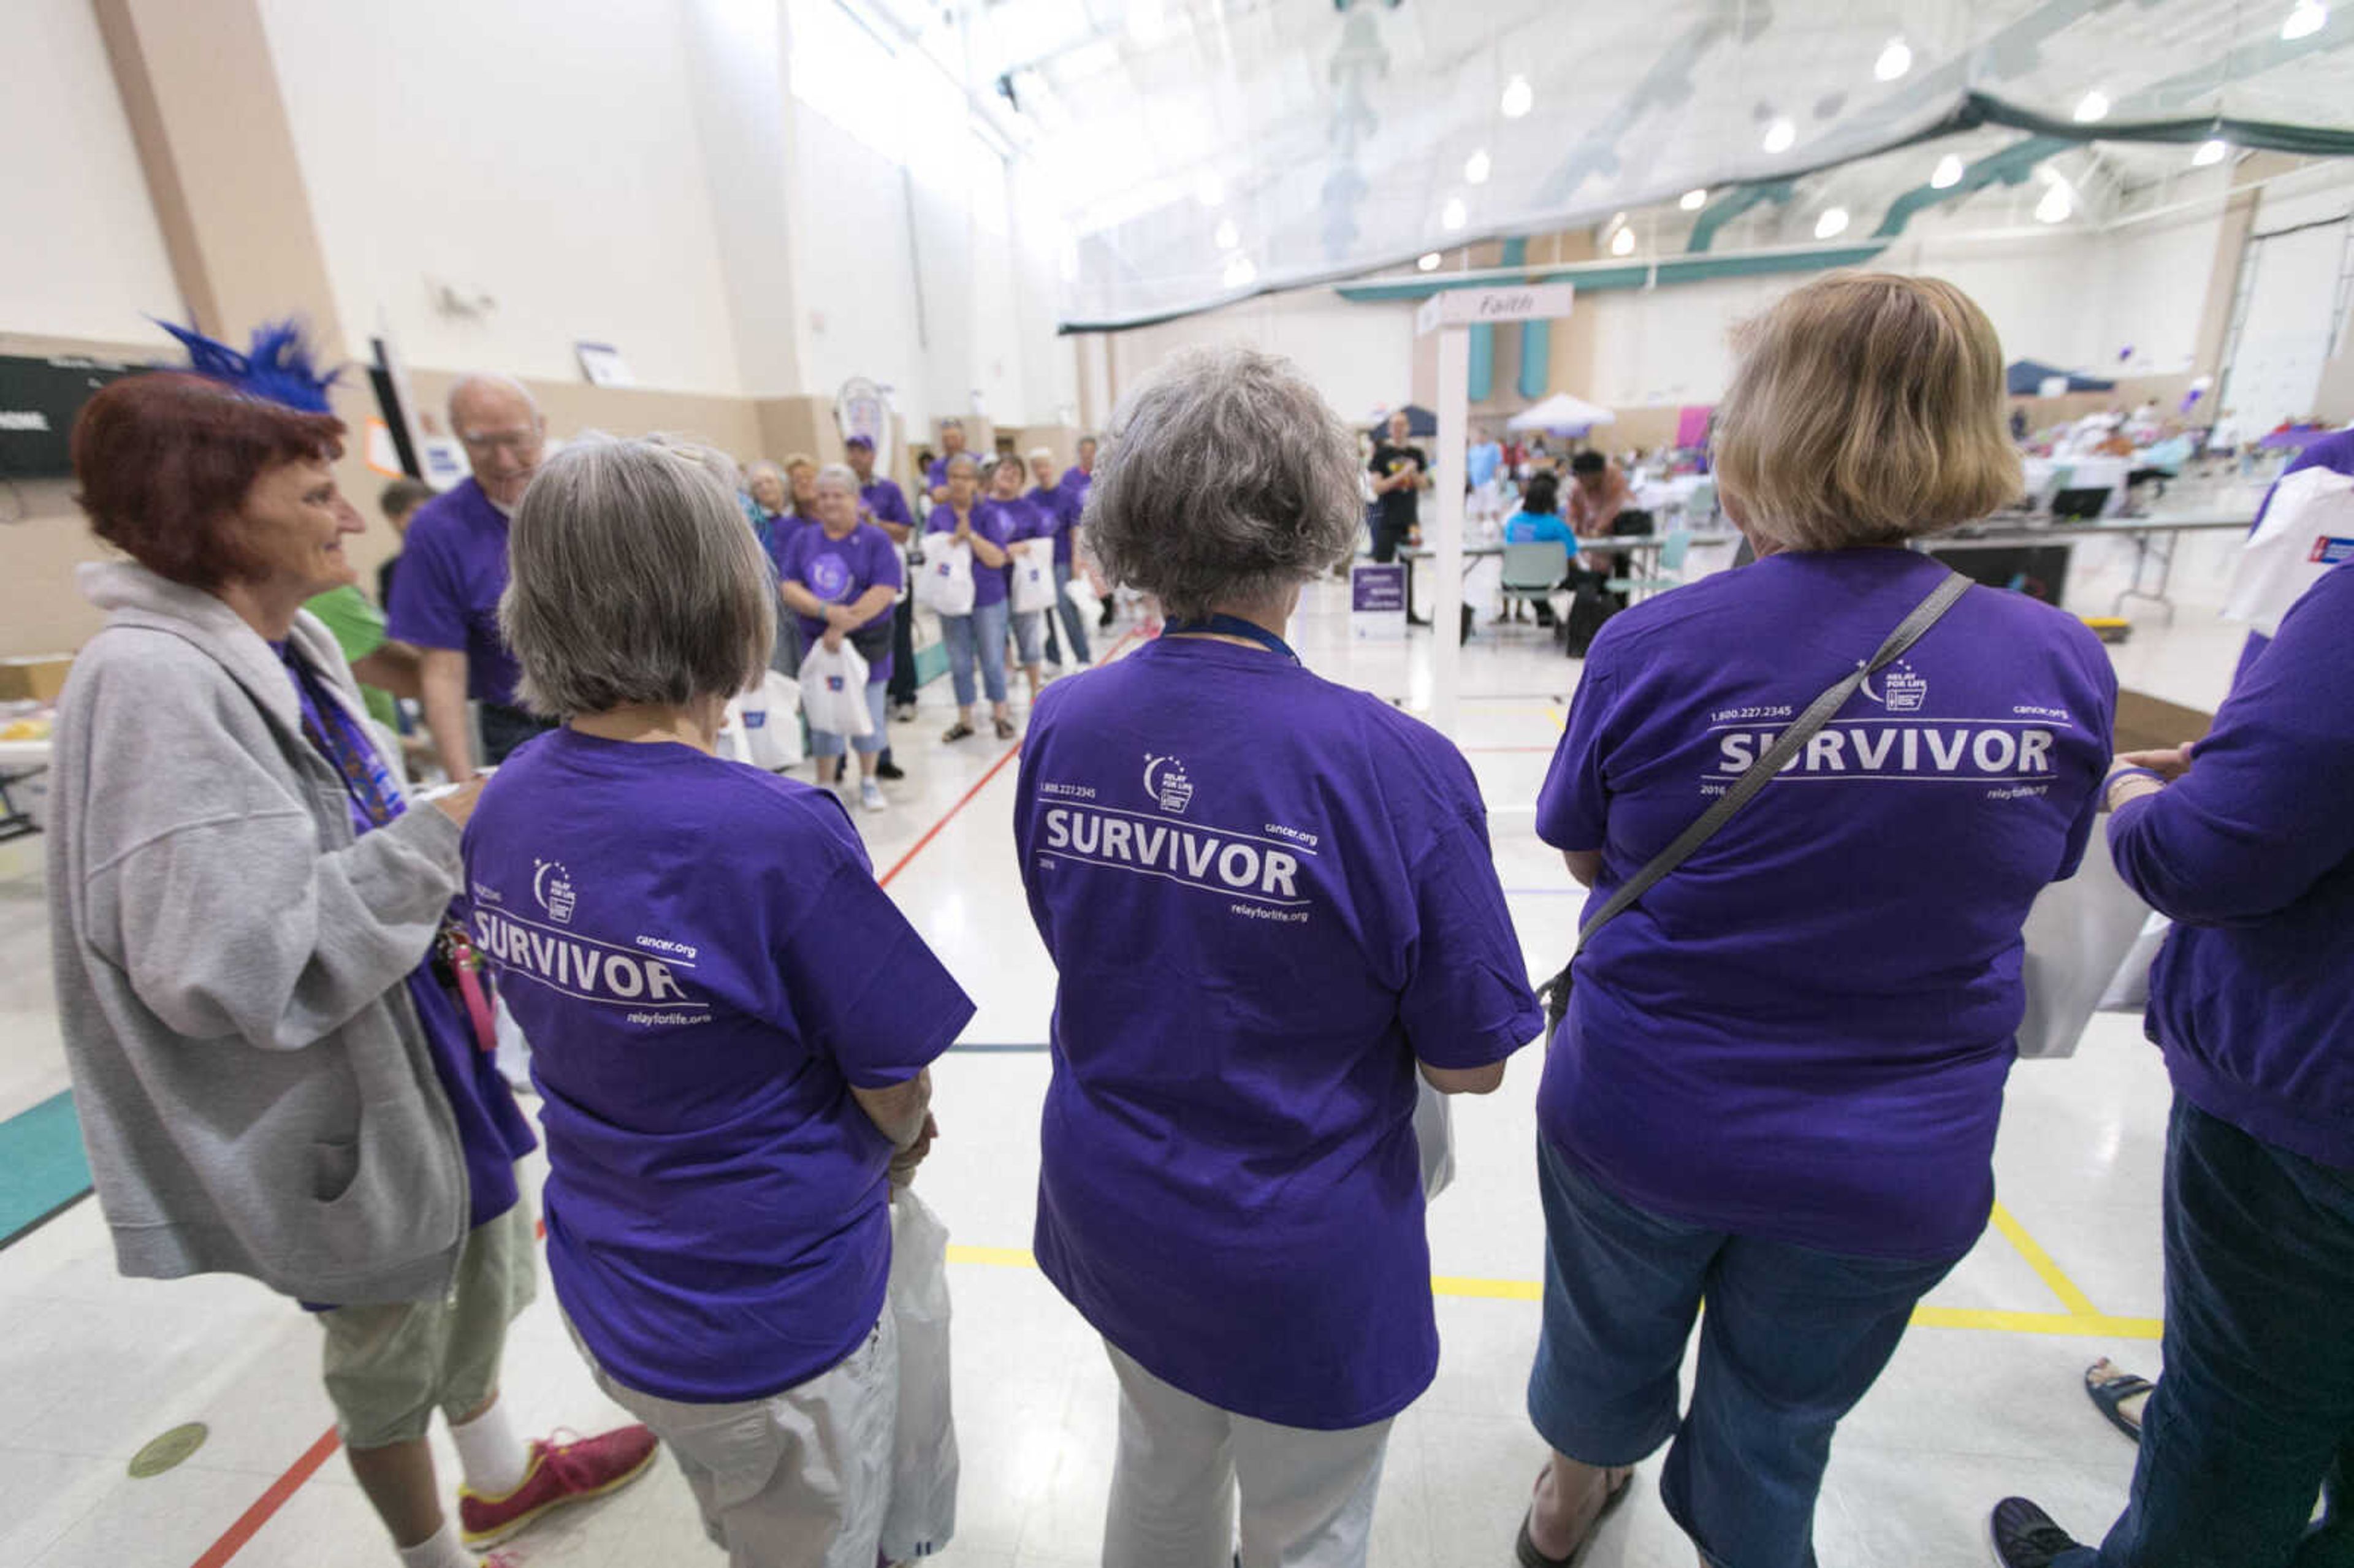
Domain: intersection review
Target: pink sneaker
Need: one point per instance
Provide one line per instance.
(560, 1473)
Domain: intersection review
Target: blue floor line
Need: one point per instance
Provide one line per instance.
(42, 1168)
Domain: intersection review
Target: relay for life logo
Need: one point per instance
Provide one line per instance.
(552, 886)
(1165, 782)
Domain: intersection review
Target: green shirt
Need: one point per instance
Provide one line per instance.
(358, 629)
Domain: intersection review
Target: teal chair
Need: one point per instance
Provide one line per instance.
(1531, 571)
(1673, 549)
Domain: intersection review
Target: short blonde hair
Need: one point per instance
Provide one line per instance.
(799, 459)
(1868, 410)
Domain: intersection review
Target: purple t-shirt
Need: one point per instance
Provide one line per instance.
(838, 571)
(885, 503)
(492, 1132)
(453, 567)
(1267, 896)
(705, 966)
(991, 523)
(1802, 1033)
(1026, 516)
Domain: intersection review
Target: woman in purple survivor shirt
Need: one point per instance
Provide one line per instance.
(1778, 1083)
(1273, 911)
(732, 1023)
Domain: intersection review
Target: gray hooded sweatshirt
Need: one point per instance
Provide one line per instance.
(255, 1090)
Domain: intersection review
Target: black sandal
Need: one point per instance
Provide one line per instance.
(1004, 729)
(1525, 1549)
(2109, 1388)
(958, 731)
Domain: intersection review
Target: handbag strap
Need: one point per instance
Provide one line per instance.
(1925, 615)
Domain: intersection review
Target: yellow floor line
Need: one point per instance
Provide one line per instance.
(2084, 1324)
(2076, 1300)
(2092, 1325)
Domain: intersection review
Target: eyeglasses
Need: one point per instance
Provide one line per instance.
(492, 440)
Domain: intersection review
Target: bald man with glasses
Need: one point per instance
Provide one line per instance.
(454, 567)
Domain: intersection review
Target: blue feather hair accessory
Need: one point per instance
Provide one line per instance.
(281, 366)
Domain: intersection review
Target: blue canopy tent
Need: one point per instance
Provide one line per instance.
(1420, 422)
(2026, 378)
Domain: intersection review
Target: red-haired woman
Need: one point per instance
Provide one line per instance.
(272, 1076)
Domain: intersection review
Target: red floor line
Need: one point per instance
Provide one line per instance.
(248, 1523)
(982, 783)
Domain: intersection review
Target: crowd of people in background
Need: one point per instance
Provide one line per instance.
(1277, 943)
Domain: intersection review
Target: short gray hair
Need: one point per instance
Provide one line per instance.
(632, 578)
(840, 473)
(1224, 479)
(966, 458)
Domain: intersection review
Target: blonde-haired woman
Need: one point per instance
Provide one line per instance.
(1778, 1083)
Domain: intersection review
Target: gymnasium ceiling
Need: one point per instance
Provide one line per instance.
(1196, 151)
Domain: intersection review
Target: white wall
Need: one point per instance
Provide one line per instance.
(545, 155)
(1360, 358)
(80, 253)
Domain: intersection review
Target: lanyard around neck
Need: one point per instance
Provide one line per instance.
(1233, 626)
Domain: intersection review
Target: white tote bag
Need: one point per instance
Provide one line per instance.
(762, 727)
(1434, 1136)
(921, 1517)
(946, 586)
(833, 691)
(1033, 582)
(2080, 934)
(1090, 602)
(2308, 528)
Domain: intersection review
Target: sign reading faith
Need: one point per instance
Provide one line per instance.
(1523, 302)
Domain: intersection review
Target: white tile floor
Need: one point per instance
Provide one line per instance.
(93, 1366)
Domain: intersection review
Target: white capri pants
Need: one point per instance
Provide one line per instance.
(798, 1479)
(1306, 1496)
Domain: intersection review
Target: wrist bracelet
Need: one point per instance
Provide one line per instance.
(2121, 774)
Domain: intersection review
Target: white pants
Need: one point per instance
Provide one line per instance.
(1307, 1496)
(796, 1480)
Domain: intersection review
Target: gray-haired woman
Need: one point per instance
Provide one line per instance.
(732, 1021)
(841, 577)
(1230, 1190)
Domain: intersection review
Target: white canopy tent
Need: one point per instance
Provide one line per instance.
(1561, 415)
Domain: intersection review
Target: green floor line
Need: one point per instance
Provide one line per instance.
(42, 1168)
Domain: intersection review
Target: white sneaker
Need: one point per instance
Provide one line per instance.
(870, 795)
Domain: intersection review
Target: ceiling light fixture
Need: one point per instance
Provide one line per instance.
(1948, 173)
(1428, 262)
(1833, 224)
(2212, 151)
(1781, 135)
(1226, 235)
(2305, 19)
(1240, 272)
(1693, 200)
(1453, 216)
(1519, 98)
(1476, 167)
(1893, 61)
(2093, 105)
(2057, 203)
(1623, 243)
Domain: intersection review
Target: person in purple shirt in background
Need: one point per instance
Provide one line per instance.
(840, 578)
(886, 508)
(454, 567)
(962, 519)
(734, 1021)
(1028, 530)
(935, 473)
(1048, 494)
(1778, 1083)
(2246, 843)
(1272, 906)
